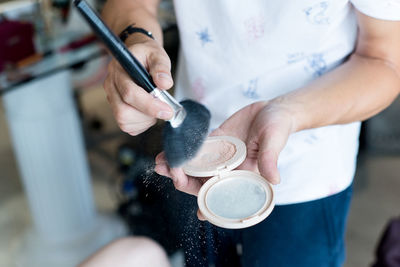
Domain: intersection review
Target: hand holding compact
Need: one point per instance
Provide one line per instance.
(263, 126)
(225, 167)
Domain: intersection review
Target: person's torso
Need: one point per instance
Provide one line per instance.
(234, 53)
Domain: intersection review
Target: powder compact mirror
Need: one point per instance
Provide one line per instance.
(230, 198)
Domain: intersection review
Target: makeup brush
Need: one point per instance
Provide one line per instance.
(186, 131)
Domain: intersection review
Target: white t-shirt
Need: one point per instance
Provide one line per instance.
(234, 53)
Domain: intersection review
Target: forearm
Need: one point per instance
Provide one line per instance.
(355, 91)
(118, 14)
(358, 89)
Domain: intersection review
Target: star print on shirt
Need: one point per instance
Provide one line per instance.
(250, 91)
(316, 14)
(317, 64)
(311, 139)
(204, 36)
(254, 28)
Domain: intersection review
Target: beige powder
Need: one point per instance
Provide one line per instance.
(213, 154)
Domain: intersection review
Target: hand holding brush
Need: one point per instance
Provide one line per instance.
(188, 126)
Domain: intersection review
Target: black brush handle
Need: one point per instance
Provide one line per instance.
(130, 64)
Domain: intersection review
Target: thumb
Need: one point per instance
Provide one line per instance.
(268, 145)
(200, 216)
(160, 71)
(268, 163)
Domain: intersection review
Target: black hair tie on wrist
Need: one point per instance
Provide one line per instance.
(130, 29)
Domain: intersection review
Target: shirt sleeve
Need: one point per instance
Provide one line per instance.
(379, 9)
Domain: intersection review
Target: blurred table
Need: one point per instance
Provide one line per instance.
(50, 63)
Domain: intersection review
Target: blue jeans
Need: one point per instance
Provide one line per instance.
(309, 234)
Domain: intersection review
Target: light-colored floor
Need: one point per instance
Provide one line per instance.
(376, 197)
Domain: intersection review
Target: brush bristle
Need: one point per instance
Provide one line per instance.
(182, 143)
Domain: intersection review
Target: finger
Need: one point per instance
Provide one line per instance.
(137, 127)
(124, 114)
(217, 132)
(137, 97)
(181, 181)
(238, 124)
(161, 165)
(268, 165)
(160, 70)
(250, 164)
(163, 170)
(185, 183)
(160, 158)
(122, 111)
(270, 143)
(200, 216)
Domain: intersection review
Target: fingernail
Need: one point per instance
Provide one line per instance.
(164, 77)
(276, 181)
(165, 115)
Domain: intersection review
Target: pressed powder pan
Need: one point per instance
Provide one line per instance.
(230, 198)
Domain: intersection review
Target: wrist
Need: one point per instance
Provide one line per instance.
(136, 38)
(131, 30)
(292, 110)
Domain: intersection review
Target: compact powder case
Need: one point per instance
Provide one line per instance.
(230, 198)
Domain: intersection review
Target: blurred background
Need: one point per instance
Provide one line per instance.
(71, 181)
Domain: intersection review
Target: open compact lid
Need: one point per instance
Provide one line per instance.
(218, 154)
(231, 198)
(236, 199)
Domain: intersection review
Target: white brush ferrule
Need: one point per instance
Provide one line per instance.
(179, 111)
